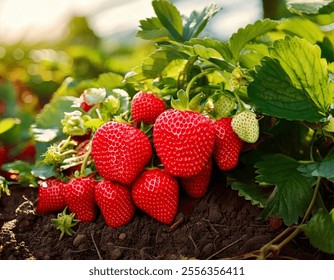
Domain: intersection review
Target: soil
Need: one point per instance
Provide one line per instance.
(220, 225)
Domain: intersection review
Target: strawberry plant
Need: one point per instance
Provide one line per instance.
(259, 106)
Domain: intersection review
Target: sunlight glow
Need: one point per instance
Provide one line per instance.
(36, 20)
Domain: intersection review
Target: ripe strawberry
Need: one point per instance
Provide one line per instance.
(115, 203)
(3, 155)
(156, 193)
(197, 185)
(120, 151)
(184, 141)
(27, 153)
(79, 197)
(50, 196)
(146, 107)
(228, 145)
(246, 126)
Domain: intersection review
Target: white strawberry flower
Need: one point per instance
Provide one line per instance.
(93, 96)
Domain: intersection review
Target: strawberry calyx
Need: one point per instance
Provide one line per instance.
(4, 186)
(184, 102)
(64, 222)
(56, 153)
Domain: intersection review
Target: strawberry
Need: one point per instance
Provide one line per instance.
(197, 185)
(223, 106)
(50, 196)
(79, 197)
(246, 126)
(184, 141)
(115, 203)
(120, 151)
(227, 146)
(156, 193)
(3, 155)
(27, 153)
(90, 97)
(146, 107)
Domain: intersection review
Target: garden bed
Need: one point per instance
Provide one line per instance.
(220, 225)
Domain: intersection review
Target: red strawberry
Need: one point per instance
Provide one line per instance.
(115, 203)
(146, 107)
(156, 193)
(228, 145)
(197, 185)
(79, 197)
(84, 106)
(184, 141)
(50, 196)
(120, 151)
(27, 153)
(3, 155)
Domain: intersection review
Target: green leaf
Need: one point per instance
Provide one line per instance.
(256, 194)
(293, 191)
(109, 80)
(321, 12)
(154, 65)
(323, 168)
(306, 69)
(8, 97)
(152, 29)
(197, 22)
(320, 231)
(17, 167)
(303, 28)
(222, 48)
(205, 52)
(307, 7)
(53, 113)
(169, 17)
(273, 93)
(7, 124)
(43, 172)
(252, 54)
(244, 35)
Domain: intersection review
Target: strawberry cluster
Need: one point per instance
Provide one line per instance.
(145, 170)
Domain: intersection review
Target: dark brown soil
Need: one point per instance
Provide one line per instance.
(220, 225)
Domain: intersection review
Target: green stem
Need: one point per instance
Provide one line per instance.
(68, 153)
(65, 143)
(193, 80)
(271, 246)
(313, 200)
(240, 104)
(85, 160)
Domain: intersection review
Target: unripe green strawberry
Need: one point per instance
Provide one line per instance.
(246, 126)
(223, 106)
